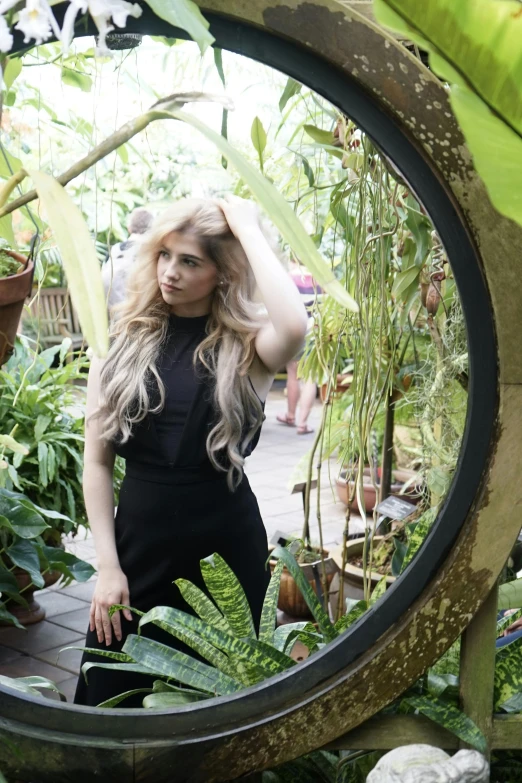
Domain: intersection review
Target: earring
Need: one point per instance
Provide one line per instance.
(221, 282)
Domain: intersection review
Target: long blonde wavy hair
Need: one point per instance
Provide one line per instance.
(139, 331)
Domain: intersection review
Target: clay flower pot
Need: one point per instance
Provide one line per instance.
(33, 612)
(290, 601)
(13, 292)
(343, 382)
(400, 477)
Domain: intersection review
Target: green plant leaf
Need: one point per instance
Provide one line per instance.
(42, 422)
(23, 520)
(76, 79)
(320, 136)
(79, 259)
(403, 280)
(119, 667)
(108, 703)
(30, 685)
(320, 616)
(291, 88)
(171, 663)
(349, 619)
(225, 588)
(202, 605)
(279, 211)
(418, 536)
(7, 617)
(68, 564)
(12, 70)
(10, 443)
(513, 704)
(510, 595)
(24, 554)
(164, 701)
(450, 718)
(258, 136)
(378, 591)
(472, 45)
(259, 653)
(186, 15)
(508, 673)
(42, 463)
(268, 620)
(282, 633)
(9, 165)
(115, 656)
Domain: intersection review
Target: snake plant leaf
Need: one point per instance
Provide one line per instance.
(186, 15)
(510, 595)
(160, 686)
(202, 605)
(225, 588)
(115, 700)
(268, 620)
(278, 210)
(246, 671)
(173, 664)
(350, 617)
(164, 701)
(79, 259)
(475, 46)
(508, 672)
(263, 655)
(282, 633)
(513, 704)
(451, 718)
(310, 638)
(116, 656)
(320, 616)
(200, 645)
(119, 667)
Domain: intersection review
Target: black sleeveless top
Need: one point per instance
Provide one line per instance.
(176, 437)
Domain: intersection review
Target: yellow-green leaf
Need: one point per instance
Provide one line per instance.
(185, 14)
(79, 259)
(279, 211)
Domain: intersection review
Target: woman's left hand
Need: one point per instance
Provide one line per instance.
(241, 215)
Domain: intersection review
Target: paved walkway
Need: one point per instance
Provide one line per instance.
(36, 650)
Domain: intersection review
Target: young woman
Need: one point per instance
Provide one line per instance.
(180, 396)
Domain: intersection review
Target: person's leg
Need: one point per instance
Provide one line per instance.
(292, 394)
(306, 403)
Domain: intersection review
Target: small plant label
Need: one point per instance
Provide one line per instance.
(395, 508)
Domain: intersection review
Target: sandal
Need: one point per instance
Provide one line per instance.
(286, 419)
(304, 430)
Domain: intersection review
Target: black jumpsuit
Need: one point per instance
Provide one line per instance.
(175, 509)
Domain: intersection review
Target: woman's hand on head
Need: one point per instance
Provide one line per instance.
(241, 215)
(111, 588)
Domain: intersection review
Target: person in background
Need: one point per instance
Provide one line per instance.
(300, 395)
(117, 267)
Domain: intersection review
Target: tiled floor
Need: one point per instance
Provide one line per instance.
(37, 649)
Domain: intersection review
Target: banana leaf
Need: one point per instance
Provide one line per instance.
(172, 664)
(269, 611)
(226, 590)
(451, 718)
(202, 605)
(263, 655)
(320, 616)
(474, 45)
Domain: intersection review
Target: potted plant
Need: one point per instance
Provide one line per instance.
(27, 563)
(404, 483)
(16, 277)
(311, 560)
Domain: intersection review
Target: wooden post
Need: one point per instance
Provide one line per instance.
(477, 667)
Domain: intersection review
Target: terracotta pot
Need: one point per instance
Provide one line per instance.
(353, 575)
(342, 385)
(345, 489)
(13, 292)
(290, 601)
(33, 612)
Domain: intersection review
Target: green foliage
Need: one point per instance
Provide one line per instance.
(186, 15)
(472, 45)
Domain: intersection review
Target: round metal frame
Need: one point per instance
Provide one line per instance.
(405, 110)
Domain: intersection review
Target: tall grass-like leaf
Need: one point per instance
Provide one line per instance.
(202, 604)
(268, 620)
(226, 590)
(263, 655)
(164, 701)
(31, 685)
(350, 617)
(279, 211)
(115, 656)
(258, 136)
(418, 536)
(119, 667)
(450, 718)
(79, 259)
(291, 88)
(282, 633)
(474, 45)
(171, 663)
(186, 15)
(320, 616)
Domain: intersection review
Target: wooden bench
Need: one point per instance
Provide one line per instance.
(52, 315)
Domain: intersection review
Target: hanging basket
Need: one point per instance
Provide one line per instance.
(13, 292)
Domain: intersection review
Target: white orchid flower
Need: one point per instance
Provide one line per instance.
(102, 11)
(6, 39)
(36, 21)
